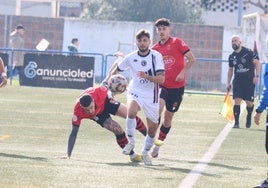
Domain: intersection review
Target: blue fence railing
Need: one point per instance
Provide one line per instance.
(207, 76)
(99, 58)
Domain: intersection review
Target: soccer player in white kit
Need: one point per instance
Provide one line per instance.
(147, 71)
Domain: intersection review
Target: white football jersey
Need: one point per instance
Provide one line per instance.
(150, 64)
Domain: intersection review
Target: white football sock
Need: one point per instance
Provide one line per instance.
(130, 130)
(148, 144)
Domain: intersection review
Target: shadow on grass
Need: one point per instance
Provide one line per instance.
(219, 165)
(164, 167)
(124, 164)
(186, 171)
(133, 164)
(225, 166)
(209, 164)
(161, 167)
(256, 130)
(22, 157)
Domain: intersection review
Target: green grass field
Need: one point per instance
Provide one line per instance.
(35, 124)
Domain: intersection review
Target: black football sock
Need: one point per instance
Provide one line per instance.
(121, 140)
(236, 114)
(163, 132)
(249, 110)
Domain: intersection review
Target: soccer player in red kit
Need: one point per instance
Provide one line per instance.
(97, 104)
(173, 50)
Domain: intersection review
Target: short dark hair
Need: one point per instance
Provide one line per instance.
(142, 33)
(19, 27)
(162, 22)
(85, 100)
(74, 40)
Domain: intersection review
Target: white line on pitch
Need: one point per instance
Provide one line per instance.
(195, 173)
(193, 176)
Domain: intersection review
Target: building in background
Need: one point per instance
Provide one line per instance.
(42, 8)
(228, 12)
(208, 41)
(214, 12)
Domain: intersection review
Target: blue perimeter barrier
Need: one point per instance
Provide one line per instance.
(205, 77)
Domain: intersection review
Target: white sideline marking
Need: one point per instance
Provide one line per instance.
(195, 173)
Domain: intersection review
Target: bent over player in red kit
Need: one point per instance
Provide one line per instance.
(97, 104)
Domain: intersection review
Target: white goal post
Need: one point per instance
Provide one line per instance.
(255, 29)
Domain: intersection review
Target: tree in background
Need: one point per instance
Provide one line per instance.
(182, 11)
(142, 10)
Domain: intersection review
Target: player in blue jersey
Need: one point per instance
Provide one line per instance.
(263, 104)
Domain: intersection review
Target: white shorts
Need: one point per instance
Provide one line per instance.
(150, 109)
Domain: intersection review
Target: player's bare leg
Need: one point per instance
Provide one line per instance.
(121, 138)
(164, 130)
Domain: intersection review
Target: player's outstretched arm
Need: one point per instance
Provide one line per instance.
(71, 142)
(120, 57)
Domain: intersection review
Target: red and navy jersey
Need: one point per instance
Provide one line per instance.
(173, 52)
(98, 95)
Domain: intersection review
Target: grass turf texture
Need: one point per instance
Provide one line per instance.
(35, 124)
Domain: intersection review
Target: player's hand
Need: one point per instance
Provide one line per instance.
(64, 157)
(141, 74)
(255, 80)
(110, 94)
(105, 84)
(119, 54)
(228, 87)
(257, 118)
(180, 77)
